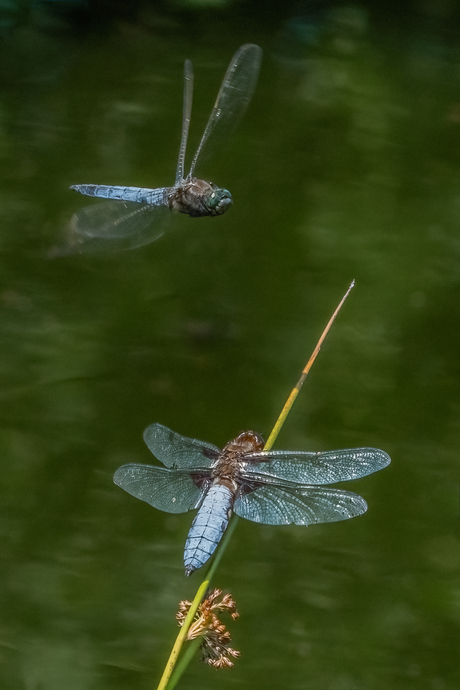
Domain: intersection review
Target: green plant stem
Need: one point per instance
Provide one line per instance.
(189, 652)
(296, 390)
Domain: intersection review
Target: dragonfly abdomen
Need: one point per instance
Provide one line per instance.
(208, 527)
(142, 195)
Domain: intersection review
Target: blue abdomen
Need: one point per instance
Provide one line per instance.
(208, 527)
(157, 197)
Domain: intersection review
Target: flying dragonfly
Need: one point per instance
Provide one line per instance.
(138, 215)
(275, 487)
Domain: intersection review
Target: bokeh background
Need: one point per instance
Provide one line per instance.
(347, 165)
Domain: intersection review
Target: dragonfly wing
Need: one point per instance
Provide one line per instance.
(315, 468)
(170, 490)
(233, 98)
(174, 450)
(120, 224)
(186, 115)
(276, 505)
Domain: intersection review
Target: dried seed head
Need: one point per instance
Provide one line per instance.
(215, 647)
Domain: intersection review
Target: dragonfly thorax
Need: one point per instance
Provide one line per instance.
(227, 470)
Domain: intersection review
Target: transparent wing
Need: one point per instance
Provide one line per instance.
(186, 115)
(173, 491)
(314, 468)
(174, 450)
(117, 225)
(275, 505)
(233, 98)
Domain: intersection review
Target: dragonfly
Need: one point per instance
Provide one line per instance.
(274, 487)
(136, 215)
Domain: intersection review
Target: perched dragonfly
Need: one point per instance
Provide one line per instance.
(275, 487)
(138, 215)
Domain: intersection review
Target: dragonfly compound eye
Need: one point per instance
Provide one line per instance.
(219, 201)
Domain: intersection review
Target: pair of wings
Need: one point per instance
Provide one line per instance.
(276, 488)
(129, 225)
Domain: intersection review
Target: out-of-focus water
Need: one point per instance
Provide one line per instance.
(347, 165)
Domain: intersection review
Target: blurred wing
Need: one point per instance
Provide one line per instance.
(170, 490)
(314, 468)
(233, 98)
(174, 450)
(186, 115)
(117, 225)
(273, 505)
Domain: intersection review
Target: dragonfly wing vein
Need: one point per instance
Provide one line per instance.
(276, 505)
(126, 224)
(316, 468)
(186, 115)
(174, 450)
(233, 98)
(165, 489)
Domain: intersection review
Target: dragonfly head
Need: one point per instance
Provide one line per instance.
(218, 201)
(247, 442)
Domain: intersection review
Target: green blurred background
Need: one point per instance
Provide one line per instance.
(347, 165)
